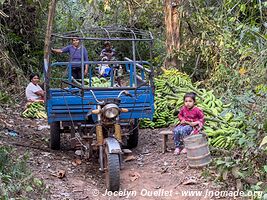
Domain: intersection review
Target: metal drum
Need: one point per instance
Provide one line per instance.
(198, 153)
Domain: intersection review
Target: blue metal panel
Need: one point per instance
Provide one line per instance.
(70, 105)
(90, 75)
(127, 67)
(64, 106)
(143, 74)
(112, 75)
(131, 75)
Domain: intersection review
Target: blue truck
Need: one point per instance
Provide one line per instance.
(102, 119)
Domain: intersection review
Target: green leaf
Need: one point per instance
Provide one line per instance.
(228, 164)
(29, 189)
(241, 141)
(236, 172)
(219, 162)
(265, 125)
(242, 8)
(232, 19)
(265, 168)
(252, 131)
(264, 141)
(37, 182)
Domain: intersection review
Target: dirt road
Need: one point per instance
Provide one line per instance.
(150, 175)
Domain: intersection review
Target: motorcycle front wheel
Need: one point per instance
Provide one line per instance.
(112, 170)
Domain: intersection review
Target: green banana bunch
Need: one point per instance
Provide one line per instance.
(167, 102)
(100, 82)
(221, 126)
(221, 139)
(147, 123)
(35, 110)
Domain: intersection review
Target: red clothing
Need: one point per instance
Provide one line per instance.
(192, 115)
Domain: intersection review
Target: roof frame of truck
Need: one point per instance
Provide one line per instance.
(106, 34)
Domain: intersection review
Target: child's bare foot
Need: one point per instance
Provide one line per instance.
(177, 151)
(184, 151)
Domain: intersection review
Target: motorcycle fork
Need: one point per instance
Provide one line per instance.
(118, 132)
(118, 135)
(100, 139)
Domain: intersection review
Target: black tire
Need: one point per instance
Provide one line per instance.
(55, 135)
(132, 141)
(112, 171)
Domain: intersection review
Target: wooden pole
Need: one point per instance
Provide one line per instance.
(49, 27)
(172, 23)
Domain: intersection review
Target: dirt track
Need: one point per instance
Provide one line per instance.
(151, 175)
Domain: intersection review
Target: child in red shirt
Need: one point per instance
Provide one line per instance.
(191, 121)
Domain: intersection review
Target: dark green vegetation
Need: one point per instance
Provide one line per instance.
(222, 46)
(16, 179)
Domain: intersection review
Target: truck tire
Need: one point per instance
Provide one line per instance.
(55, 135)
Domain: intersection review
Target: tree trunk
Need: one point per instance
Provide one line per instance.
(49, 27)
(173, 23)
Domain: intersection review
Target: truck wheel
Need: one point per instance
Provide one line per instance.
(55, 135)
(132, 141)
(112, 171)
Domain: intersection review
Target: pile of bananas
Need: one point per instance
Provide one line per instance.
(167, 99)
(98, 82)
(222, 128)
(224, 131)
(35, 110)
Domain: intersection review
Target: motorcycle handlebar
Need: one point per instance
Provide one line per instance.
(95, 97)
(122, 92)
(125, 92)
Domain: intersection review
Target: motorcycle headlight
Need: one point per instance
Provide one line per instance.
(111, 110)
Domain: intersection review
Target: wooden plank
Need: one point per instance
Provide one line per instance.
(167, 132)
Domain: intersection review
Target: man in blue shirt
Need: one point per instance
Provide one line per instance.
(75, 53)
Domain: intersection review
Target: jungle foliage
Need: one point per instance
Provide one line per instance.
(16, 179)
(222, 46)
(224, 43)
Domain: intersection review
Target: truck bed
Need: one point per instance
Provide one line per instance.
(69, 104)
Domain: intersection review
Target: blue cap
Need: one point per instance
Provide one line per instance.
(107, 71)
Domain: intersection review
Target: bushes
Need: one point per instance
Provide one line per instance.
(16, 180)
(229, 42)
(246, 165)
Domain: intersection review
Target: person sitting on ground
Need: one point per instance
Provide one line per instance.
(75, 54)
(34, 92)
(108, 52)
(191, 121)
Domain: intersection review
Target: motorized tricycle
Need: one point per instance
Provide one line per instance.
(100, 119)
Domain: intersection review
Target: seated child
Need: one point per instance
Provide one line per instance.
(108, 52)
(104, 69)
(191, 121)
